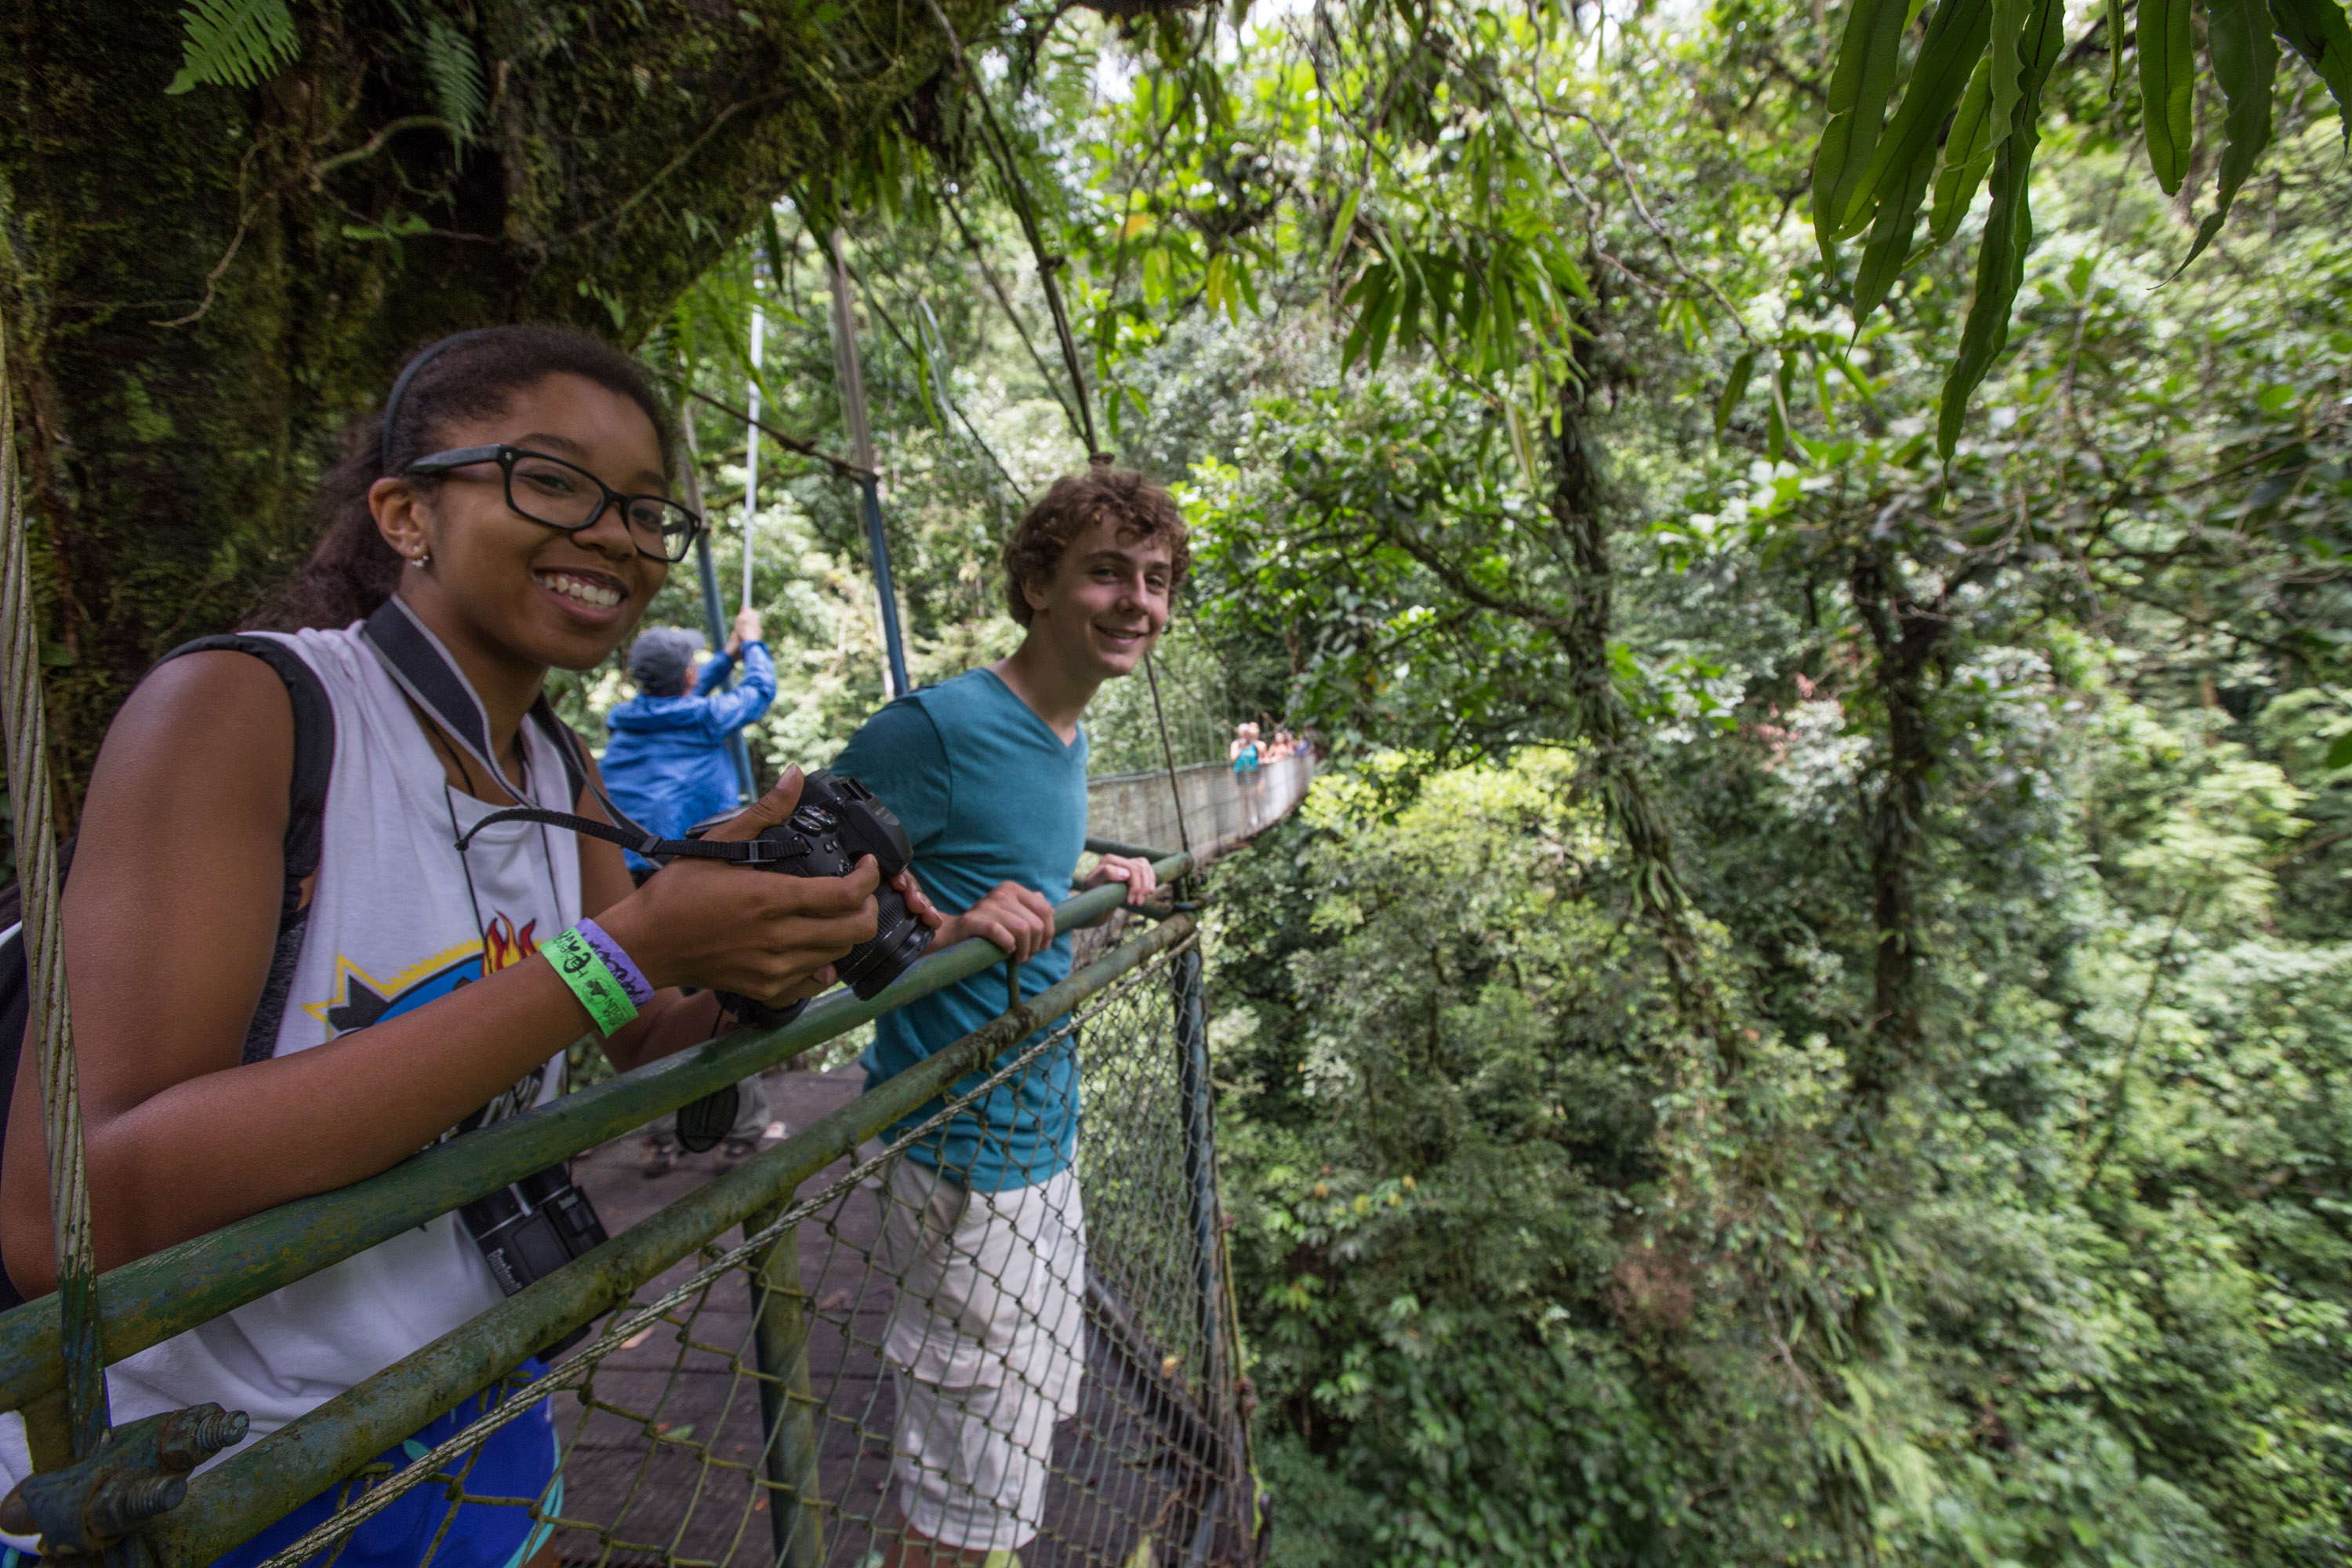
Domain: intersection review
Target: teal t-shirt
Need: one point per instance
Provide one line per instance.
(988, 793)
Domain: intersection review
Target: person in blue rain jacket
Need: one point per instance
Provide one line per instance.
(667, 766)
(667, 763)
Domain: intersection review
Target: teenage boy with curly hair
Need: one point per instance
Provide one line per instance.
(981, 1220)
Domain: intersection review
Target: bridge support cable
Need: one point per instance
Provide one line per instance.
(849, 375)
(714, 619)
(49, 1021)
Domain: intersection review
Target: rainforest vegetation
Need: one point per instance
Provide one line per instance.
(1809, 1016)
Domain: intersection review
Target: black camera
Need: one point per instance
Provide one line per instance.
(530, 1229)
(838, 821)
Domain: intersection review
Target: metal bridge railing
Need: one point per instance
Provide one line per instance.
(752, 1394)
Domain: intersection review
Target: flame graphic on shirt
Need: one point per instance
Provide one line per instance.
(503, 947)
(360, 999)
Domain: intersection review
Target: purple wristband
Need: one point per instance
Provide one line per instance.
(625, 969)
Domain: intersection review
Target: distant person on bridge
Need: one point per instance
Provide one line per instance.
(668, 764)
(1247, 755)
(668, 767)
(982, 1221)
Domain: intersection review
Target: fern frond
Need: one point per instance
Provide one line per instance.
(456, 73)
(232, 43)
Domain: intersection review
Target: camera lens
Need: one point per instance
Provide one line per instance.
(899, 940)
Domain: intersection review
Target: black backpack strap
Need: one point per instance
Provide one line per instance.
(306, 817)
(314, 747)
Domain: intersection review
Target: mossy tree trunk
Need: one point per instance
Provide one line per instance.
(200, 290)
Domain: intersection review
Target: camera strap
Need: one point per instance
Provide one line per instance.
(741, 851)
(421, 666)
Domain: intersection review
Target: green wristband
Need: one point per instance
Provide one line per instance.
(591, 979)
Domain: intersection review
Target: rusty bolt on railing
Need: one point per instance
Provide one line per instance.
(141, 1472)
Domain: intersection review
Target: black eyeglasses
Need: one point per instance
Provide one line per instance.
(557, 494)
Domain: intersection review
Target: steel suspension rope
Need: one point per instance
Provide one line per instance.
(49, 1019)
(1168, 753)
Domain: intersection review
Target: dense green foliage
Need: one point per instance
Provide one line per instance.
(1811, 1019)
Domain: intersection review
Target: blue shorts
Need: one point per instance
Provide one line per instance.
(516, 1463)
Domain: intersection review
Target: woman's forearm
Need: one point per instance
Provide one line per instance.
(215, 1148)
(671, 1022)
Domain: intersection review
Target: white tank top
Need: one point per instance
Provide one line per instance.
(393, 925)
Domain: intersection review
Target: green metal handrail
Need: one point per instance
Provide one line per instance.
(245, 1494)
(146, 1302)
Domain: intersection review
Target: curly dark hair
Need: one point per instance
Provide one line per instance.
(352, 571)
(1075, 503)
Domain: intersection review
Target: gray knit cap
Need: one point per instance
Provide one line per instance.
(660, 658)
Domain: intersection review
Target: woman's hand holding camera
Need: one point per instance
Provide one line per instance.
(718, 926)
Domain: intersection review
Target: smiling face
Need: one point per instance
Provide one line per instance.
(1107, 603)
(503, 589)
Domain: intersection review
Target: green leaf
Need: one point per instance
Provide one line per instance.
(2115, 49)
(1371, 293)
(2009, 227)
(1442, 273)
(457, 71)
(1967, 154)
(1376, 322)
(2245, 62)
(1860, 84)
(1515, 421)
(1890, 238)
(232, 43)
(1776, 418)
(2340, 755)
(1341, 227)
(2167, 80)
(1735, 387)
(1244, 285)
(2009, 24)
(1955, 41)
(2319, 33)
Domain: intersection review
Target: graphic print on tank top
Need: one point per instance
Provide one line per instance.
(361, 999)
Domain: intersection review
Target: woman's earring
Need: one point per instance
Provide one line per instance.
(422, 558)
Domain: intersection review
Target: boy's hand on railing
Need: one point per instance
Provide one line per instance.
(1140, 878)
(729, 927)
(1018, 919)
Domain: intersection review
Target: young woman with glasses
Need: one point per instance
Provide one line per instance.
(247, 1037)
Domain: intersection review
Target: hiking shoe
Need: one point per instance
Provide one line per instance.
(735, 1150)
(660, 1160)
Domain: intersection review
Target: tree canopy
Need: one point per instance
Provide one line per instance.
(1811, 1017)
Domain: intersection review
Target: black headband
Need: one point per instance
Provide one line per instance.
(400, 387)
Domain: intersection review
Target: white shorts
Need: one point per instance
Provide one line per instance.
(985, 1346)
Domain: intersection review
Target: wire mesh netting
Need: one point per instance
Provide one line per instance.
(893, 1359)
